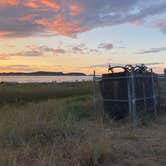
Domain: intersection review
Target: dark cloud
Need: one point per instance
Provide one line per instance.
(21, 18)
(41, 50)
(77, 49)
(94, 51)
(80, 48)
(160, 24)
(107, 46)
(36, 51)
(33, 51)
(52, 50)
(152, 50)
(29, 53)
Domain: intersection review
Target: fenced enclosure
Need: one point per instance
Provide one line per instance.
(132, 92)
(162, 90)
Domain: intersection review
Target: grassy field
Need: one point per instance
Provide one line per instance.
(54, 125)
(22, 93)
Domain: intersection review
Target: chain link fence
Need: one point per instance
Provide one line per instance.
(129, 94)
(162, 90)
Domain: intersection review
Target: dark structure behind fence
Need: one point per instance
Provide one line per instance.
(129, 92)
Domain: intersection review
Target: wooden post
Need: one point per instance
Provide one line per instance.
(154, 95)
(94, 90)
(134, 113)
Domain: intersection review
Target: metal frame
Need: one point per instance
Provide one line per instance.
(131, 92)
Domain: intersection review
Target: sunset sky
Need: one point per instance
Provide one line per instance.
(81, 35)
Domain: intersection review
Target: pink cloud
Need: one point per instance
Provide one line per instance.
(27, 17)
(42, 4)
(107, 46)
(76, 9)
(9, 2)
(4, 57)
(3, 33)
(31, 4)
(61, 26)
(21, 18)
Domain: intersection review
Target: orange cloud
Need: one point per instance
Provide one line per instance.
(31, 4)
(42, 21)
(71, 17)
(75, 9)
(4, 33)
(27, 17)
(51, 4)
(137, 22)
(62, 26)
(39, 4)
(51, 16)
(4, 57)
(9, 2)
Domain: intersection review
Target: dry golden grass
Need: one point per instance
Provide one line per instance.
(65, 132)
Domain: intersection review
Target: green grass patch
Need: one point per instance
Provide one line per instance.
(22, 93)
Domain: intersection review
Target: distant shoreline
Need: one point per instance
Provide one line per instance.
(43, 73)
(17, 79)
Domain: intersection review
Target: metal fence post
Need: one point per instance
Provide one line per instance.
(144, 94)
(94, 90)
(134, 113)
(154, 94)
(129, 96)
(165, 78)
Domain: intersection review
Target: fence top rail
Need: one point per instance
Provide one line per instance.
(127, 77)
(116, 78)
(116, 100)
(161, 77)
(126, 100)
(97, 79)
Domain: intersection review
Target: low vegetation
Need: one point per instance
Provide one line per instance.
(62, 130)
(22, 93)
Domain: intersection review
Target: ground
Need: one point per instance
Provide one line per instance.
(64, 131)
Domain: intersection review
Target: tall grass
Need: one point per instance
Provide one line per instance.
(61, 130)
(36, 92)
(41, 125)
(54, 132)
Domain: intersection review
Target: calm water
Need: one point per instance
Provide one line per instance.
(40, 79)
